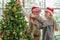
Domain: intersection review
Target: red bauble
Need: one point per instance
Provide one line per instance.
(8, 34)
(27, 32)
(1, 32)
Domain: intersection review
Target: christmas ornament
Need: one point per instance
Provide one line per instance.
(14, 32)
(27, 32)
(12, 19)
(21, 33)
(8, 34)
(16, 16)
(3, 22)
(20, 26)
(8, 37)
(9, 7)
(4, 26)
(1, 32)
(14, 9)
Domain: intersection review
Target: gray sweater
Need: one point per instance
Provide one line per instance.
(48, 30)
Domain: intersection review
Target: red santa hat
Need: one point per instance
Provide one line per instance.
(34, 8)
(51, 10)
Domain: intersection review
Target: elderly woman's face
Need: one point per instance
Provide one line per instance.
(47, 14)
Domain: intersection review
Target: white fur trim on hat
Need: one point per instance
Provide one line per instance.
(48, 11)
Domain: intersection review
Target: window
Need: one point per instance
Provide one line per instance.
(0, 3)
(53, 3)
(30, 3)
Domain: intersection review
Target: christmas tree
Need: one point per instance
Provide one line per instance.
(13, 25)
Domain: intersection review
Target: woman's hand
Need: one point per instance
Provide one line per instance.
(18, 2)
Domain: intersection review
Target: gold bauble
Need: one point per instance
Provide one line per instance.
(8, 37)
(14, 9)
(3, 22)
(4, 26)
(21, 33)
(20, 26)
(11, 18)
(16, 16)
(9, 7)
(14, 32)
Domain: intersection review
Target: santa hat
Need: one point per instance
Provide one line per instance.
(37, 9)
(51, 10)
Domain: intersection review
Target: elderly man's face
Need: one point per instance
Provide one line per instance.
(36, 11)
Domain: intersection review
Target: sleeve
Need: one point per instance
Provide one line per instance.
(55, 25)
(25, 12)
(31, 26)
(42, 21)
(39, 26)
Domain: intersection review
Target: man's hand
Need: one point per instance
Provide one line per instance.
(32, 15)
(31, 21)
